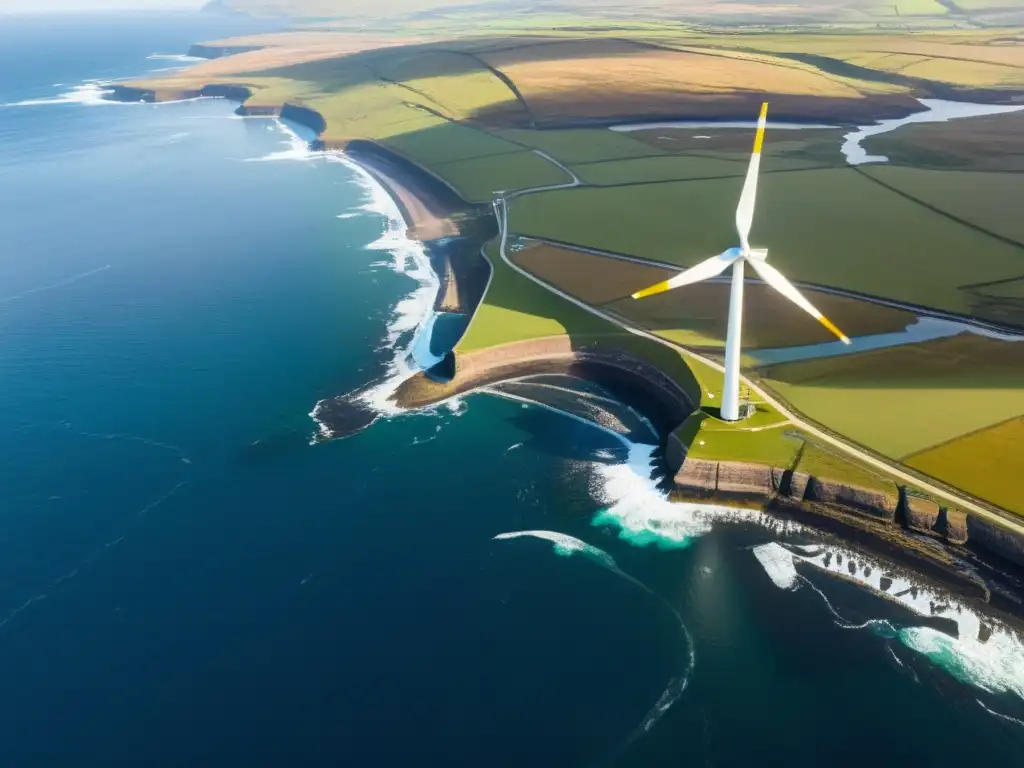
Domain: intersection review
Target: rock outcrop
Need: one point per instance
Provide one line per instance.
(953, 525)
(885, 515)
(996, 539)
(860, 500)
(745, 482)
(697, 479)
(918, 514)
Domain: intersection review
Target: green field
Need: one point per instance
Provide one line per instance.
(903, 400)
(715, 440)
(825, 464)
(478, 178)
(831, 227)
(988, 464)
(581, 145)
(990, 201)
(594, 279)
(516, 309)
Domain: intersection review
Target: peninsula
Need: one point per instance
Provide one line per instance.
(587, 156)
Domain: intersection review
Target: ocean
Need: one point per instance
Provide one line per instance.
(186, 578)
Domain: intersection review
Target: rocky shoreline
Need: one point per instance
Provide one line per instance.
(905, 525)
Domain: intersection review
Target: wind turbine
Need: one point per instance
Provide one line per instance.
(737, 258)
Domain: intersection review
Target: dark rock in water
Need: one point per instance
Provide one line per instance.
(885, 583)
(342, 416)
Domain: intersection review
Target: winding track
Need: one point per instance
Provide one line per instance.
(502, 199)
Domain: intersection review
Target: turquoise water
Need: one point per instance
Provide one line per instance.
(184, 579)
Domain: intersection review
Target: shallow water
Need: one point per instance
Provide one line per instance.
(923, 329)
(935, 111)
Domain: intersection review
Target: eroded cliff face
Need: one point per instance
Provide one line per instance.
(132, 93)
(888, 516)
(655, 394)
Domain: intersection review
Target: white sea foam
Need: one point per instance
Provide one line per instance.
(173, 57)
(643, 513)
(777, 562)
(995, 665)
(1000, 715)
(566, 545)
(90, 93)
(413, 314)
(296, 147)
(349, 215)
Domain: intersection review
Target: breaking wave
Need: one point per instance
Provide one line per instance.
(984, 654)
(567, 546)
(296, 147)
(91, 93)
(174, 57)
(640, 509)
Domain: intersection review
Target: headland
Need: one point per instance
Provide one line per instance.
(472, 135)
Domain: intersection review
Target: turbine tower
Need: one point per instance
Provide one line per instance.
(737, 258)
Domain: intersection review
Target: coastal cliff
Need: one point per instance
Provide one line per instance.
(452, 231)
(633, 380)
(911, 521)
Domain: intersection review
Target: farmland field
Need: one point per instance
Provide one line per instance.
(903, 400)
(994, 143)
(775, 447)
(594, 279)
(988, 464)
(828, 227)
(991, 201)
(476, 179)
(769, 319)
(582, 145)
(825, 464)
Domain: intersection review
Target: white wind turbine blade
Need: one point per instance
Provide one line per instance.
(776, 280)
(745, 210)
(703, 271)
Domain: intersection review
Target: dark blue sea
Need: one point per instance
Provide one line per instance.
(186, 579)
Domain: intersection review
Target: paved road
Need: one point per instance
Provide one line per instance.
(501, 209)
